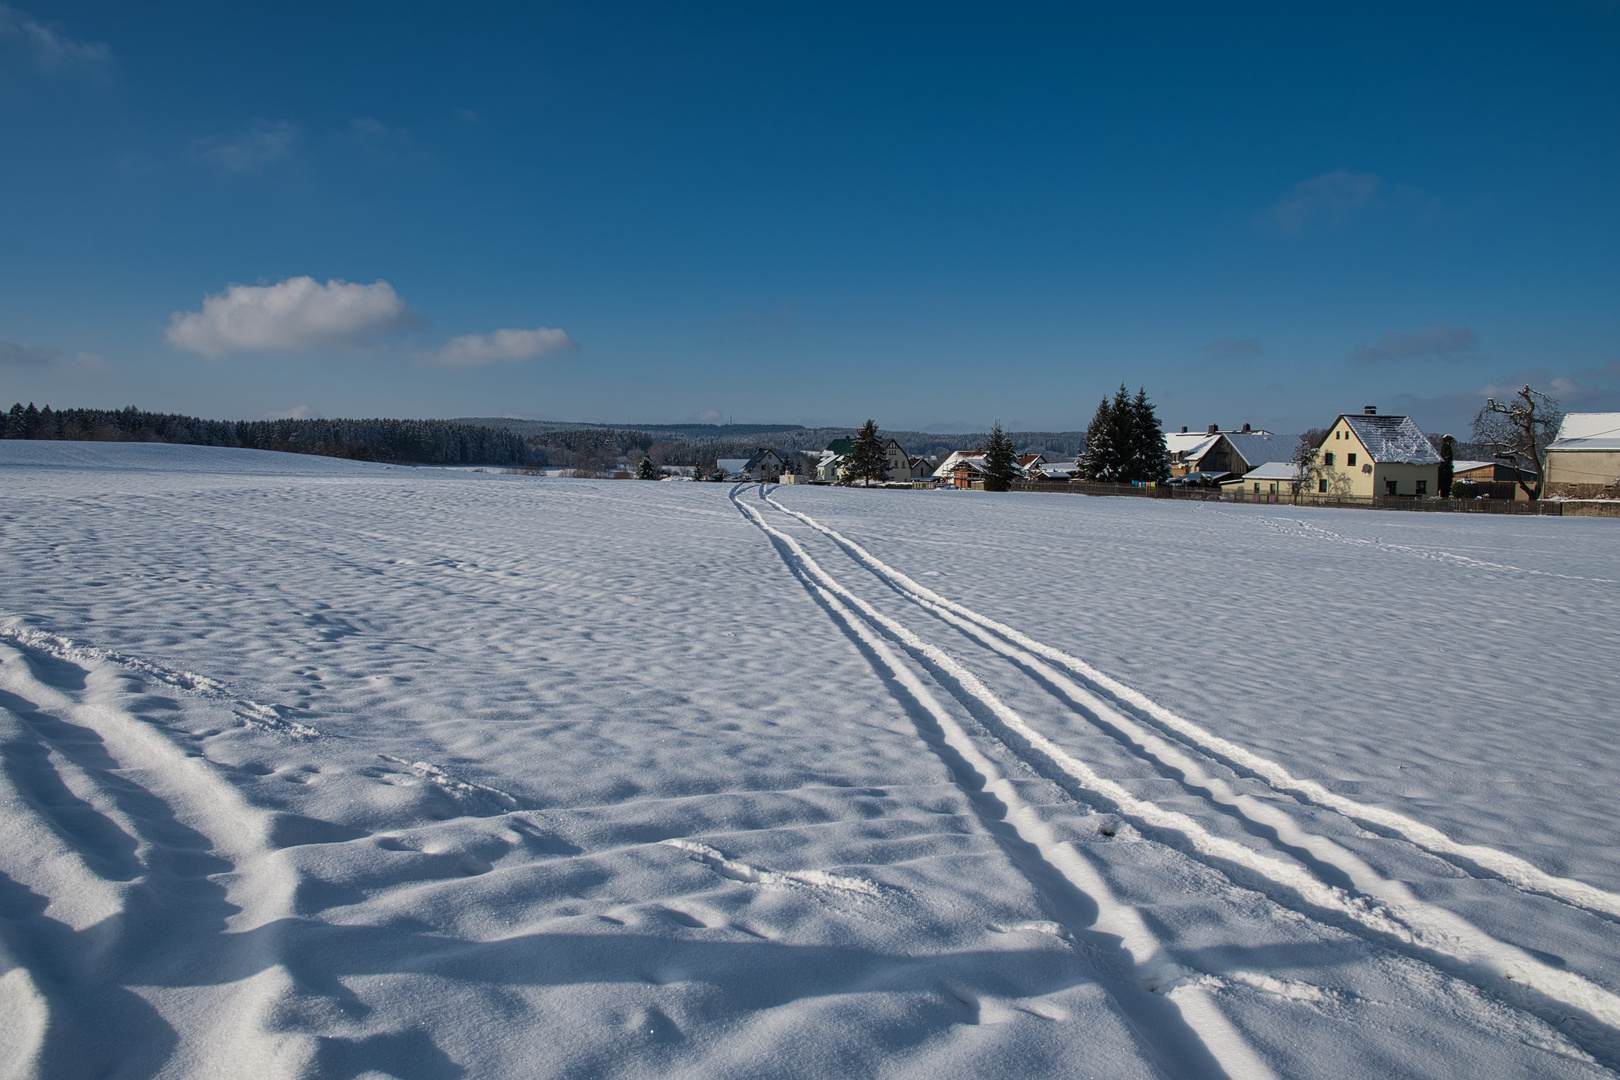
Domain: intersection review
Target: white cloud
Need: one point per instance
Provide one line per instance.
(1323, 201)
(299, 313)
(297, 412)
(1437, 342)
(477, 350)
(53, 50)
(260, 144)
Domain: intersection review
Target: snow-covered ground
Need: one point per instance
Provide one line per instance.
(316, 768)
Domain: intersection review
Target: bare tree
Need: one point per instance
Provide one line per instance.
(1521, 427)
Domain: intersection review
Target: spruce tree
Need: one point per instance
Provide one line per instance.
(1000, 460)
(1110, 441)
(647, 470)
(1150, 459)
(867, 461)
(1097, 451)
(1448, 467)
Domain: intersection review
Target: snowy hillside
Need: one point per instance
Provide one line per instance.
(318, 768)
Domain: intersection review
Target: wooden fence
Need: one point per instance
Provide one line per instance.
(1545, 507)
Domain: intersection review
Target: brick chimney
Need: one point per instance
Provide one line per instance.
(1369, 410)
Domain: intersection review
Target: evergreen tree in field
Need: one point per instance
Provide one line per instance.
(1000, 461)
(1448, 467)
(1150, 459)
(647, 470)
(1108, 441)
(867, 461)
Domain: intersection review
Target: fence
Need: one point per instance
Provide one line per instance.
(1544, 507)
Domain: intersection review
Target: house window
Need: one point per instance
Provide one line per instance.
(1422, 487)
(1350, 459)
(1327, 459)
(1257, 487)
(1389, 487)
(1321, 486)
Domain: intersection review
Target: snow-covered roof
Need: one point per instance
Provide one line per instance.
(946, 467)
(1469, 466)
(731, 464)
(1259, 446)
(1392, 439)
(1273, 470)
(1191, 445)
(1588, 431)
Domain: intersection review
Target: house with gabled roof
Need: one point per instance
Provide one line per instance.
(1586, 452)
(1367, 455)
(1216, 452)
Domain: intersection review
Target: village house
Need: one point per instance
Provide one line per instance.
(1495, 479)
(1366, 455)
(1585, 458)
(1213, 453)
(961, 467)
(1266, 481)
(765, 465)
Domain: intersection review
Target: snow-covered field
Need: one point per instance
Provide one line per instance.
(315, 768)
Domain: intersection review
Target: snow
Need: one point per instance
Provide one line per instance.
(1273, 470)
(1393, 439)
(320, 768)
(1588, 431)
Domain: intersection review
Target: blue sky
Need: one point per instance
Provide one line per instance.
(933, 215)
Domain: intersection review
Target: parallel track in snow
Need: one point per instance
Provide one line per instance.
(1379, 909)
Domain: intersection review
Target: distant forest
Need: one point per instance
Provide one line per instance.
(405, 442)
(590, 446)
(485, 440)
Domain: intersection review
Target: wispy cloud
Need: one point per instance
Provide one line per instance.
(1233, 348)
(1438, 342)
(1324, 202)
(19, 355)
(479, 350)
(53, 50)
(296, 314)
(261, 144)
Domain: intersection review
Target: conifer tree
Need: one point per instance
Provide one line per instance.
(647, 470)
(1448, 467)
(1109, 440)
(867, 461)
(1000, 460)
(1150, 459)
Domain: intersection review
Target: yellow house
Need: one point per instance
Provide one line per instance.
(1370, 455)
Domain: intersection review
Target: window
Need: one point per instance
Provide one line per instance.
(1321, 486)
(1257, 487)
(1422, 487)
(1350, 459)
(1389, 487)
(1327, 459)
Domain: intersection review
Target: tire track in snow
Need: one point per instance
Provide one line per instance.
(1510, 868)
(134, 847)
(1385, 909)
(1152, 969)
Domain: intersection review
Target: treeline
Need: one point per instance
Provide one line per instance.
(587, 446)
(406, 442)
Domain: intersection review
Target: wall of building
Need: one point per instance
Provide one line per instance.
(1583, 466)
